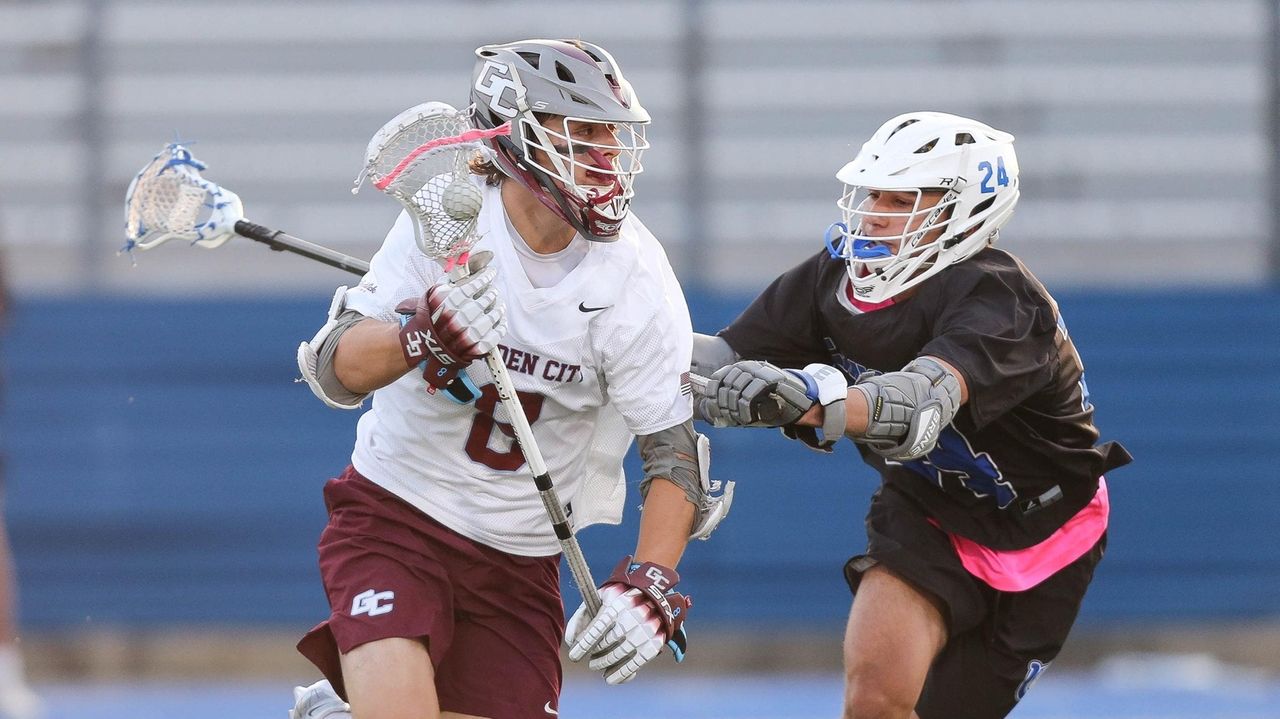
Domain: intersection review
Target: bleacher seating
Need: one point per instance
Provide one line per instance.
(1128, 129)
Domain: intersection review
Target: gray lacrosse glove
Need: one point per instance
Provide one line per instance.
(908, 410)
(751, 393)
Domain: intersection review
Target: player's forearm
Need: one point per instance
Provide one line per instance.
(857, 410)
(856, 414)
(369, 356)
(664, 525)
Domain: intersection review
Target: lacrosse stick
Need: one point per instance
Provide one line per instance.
(421, 158)
(169, 200)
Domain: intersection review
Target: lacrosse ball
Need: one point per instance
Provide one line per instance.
(461, 200)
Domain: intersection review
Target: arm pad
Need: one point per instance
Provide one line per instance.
(907, 410)
(684, 457)
(315, 358)
(710, 353)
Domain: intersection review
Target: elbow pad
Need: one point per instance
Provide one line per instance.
(712, 507)
(683, 457)
(315, 358)
(907, 410)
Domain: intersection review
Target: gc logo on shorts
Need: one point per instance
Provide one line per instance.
(370, 602)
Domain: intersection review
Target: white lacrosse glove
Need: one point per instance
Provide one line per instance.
(640, 613)
(318, 701)
(457, 320)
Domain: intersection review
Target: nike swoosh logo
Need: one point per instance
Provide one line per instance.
(582, 307)
(548, 708)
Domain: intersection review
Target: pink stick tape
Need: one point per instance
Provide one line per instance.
(468, 136)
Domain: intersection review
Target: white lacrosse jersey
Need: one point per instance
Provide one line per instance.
(596, 358)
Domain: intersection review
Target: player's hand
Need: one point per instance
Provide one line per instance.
(641, 612)
(457, 320)
(751, 393)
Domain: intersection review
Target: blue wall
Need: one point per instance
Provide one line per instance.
(165, 469)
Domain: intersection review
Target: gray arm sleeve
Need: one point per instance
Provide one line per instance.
(325, 373)
(710, 353)
(672, 453)
(684, 457)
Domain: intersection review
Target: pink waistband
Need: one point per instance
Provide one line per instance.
(1021, 569)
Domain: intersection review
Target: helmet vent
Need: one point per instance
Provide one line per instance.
(579, 99)
(965, 138)
(926, 147)
(982, 206)
(899, 127)
(530, 57)
(563, 73)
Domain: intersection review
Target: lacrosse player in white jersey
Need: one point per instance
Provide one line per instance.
(439, 560)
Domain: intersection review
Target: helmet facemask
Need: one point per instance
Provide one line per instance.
(588, 167)
(892, 246)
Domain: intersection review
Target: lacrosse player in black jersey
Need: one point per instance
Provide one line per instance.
(948, 364)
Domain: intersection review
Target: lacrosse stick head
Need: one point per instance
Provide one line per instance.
(168, 200)
(422, 158)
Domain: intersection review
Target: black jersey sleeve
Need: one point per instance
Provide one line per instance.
(782, 324)
(1000, 335)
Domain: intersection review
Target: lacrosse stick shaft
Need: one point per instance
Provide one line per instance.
(542, 480)
(573, 556)
(699, 383)
(281, 242)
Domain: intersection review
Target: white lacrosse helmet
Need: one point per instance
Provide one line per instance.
(971, 163)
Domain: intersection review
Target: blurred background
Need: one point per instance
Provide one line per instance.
(163, 474)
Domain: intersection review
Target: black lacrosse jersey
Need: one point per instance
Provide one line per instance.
(1019, 459)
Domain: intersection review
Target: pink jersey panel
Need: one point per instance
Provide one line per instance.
(1022, 569)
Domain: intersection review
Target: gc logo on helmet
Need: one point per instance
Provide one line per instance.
(959, 178)
(578, 148)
